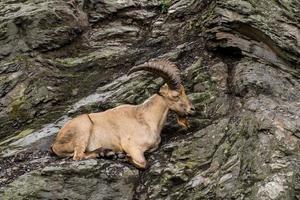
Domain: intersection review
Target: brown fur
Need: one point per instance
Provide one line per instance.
(127, 128)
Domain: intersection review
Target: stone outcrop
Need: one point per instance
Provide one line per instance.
(240, 64)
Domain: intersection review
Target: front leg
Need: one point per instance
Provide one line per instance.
(137, 158)
(155, 146)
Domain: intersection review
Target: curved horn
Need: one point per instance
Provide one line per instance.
(163, 68)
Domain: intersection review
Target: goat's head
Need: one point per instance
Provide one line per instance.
(173, 91)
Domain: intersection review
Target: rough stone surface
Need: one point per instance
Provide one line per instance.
(240, 65)
(89, 179)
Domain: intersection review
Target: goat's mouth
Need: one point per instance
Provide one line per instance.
(182, 120)
(182, 117)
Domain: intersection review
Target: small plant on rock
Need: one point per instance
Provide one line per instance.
(165, 4)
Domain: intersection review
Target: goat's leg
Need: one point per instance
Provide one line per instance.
(137, 158)
(90, 155)
(82, 135)
(87, 155)
(100, 152)
(79, 152)
(78, 155)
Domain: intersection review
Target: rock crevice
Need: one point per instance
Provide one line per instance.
(240, 65)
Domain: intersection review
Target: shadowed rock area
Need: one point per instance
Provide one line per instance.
(240, 66)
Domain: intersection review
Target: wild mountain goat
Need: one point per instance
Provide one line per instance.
(132, 129)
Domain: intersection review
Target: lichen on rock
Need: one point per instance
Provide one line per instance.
(240, 65)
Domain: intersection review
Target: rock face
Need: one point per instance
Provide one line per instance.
(241, 68)
(89, 179)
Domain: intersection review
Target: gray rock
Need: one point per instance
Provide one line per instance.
(240, 66)
(81, 180)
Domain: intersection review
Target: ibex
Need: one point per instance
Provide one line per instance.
(133, 129)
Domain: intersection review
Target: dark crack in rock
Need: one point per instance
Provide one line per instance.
(240, 66)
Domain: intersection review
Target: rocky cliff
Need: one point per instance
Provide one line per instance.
(240, 64)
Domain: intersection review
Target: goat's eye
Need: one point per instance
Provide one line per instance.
(176, 98)
(175, 95)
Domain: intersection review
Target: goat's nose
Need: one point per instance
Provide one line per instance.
(193, 110)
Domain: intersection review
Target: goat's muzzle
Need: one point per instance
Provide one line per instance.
(192, 111)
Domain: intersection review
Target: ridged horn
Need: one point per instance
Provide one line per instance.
(163, 68)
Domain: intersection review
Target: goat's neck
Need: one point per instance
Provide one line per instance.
(155, 112)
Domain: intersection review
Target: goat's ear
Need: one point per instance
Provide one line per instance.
(181, 90)
(164, 90)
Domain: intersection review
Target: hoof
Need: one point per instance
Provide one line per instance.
(140, 165)
(110, 154)
(121, 155)
(78, 157)
(103, 152)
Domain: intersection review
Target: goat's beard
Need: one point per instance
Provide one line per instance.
(183, 121)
